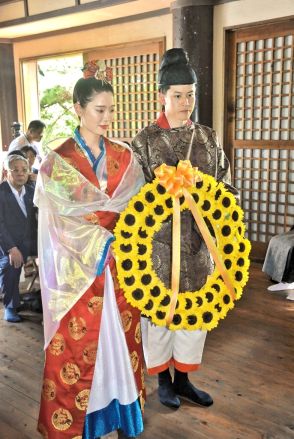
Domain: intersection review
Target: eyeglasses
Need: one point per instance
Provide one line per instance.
(19, 171)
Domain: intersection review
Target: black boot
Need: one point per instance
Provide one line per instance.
(185, 389)
(166, 391)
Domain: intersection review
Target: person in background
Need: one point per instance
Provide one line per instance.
(279, 263)
(32, 137)
(30, 154)
(93, 374)
(17, 152)
(18, 231)
(168, 140)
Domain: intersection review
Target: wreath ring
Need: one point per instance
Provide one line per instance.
(133, 248)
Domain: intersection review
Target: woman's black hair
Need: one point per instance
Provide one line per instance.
(85, 88)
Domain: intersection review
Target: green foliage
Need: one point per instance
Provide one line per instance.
(56, 78)
(57, 113)
(57, 94)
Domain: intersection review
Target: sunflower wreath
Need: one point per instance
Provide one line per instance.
(134, 234)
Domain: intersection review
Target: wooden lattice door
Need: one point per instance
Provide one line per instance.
(259, 131)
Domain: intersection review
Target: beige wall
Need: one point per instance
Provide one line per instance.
(30, 105)
(146, 29)
(39, 7)
(230, 15)
(12, 11)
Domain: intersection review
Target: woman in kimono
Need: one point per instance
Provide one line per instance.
(93, 375)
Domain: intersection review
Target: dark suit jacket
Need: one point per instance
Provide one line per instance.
(16, 230)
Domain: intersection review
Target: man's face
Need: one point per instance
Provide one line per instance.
(36, 135)
(179, 102)
(18, 173)
(31, 158)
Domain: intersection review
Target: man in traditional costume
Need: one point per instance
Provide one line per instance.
(93, 375)
(174, 137)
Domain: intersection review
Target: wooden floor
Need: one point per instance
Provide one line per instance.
(248, 368)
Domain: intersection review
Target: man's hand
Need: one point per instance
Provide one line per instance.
(33, 177)
(15, 257)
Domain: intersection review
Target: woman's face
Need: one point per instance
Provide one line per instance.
(179, 102)
(97, 115)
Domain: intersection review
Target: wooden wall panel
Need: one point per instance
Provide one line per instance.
(7, 93)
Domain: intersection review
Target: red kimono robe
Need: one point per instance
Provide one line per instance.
(71, 354)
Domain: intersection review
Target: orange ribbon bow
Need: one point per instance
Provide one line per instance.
(175, 179)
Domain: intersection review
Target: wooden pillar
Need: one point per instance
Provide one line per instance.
(193, 31)
(8, 104)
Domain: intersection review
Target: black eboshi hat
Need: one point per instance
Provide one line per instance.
(175, 68)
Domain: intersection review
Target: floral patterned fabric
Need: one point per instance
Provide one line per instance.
(71, 354)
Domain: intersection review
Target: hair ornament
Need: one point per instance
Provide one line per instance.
(97, 69)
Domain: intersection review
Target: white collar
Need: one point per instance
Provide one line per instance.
(17, 194)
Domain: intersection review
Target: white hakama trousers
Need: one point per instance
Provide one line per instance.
(163, 347)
